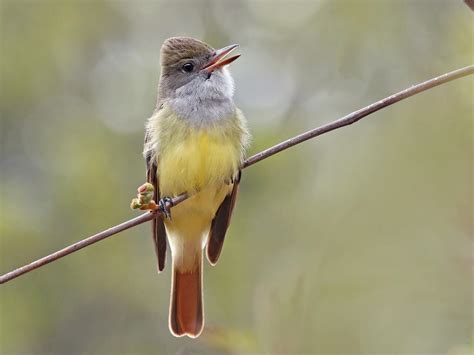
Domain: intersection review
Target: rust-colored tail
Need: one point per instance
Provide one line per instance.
(186, 310)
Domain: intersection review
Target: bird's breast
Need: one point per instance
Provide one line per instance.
(192, 158)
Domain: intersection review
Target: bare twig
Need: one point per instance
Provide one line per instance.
(77, 246)
(363, 112)
(145, 217)
(344, 121)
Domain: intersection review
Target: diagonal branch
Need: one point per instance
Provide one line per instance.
(344, 121)
(363, 112)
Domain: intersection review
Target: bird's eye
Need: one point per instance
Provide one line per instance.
(188, 67)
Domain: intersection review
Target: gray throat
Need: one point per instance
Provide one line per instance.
(205, 100)
(202, 112)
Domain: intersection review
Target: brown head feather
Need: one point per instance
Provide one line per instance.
(175, 49)
(175, 52)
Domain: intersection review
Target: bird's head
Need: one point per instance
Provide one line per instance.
(191, 67)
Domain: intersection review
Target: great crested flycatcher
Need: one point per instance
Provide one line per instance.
(195, 142)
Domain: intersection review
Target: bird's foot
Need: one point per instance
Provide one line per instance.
(165, 205)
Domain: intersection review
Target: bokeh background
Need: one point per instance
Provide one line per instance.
(358, 242)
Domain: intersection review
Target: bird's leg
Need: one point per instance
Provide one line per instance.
(165, 205)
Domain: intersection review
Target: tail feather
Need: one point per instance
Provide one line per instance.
(186, 309)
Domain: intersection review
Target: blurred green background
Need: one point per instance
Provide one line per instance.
(359, 242)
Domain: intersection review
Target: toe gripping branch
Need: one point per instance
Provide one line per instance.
(165, 205)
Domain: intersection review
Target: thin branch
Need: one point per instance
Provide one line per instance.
(77, 246)
(145, 217)
(363, 112)
(344, 121)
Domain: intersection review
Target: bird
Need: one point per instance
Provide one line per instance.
(195, 142)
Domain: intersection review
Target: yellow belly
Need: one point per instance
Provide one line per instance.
(201, 162)
(192, 157)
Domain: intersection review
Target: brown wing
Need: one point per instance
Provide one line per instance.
(158, 227)
(220, 223)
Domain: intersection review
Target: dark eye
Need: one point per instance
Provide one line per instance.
(188, 67)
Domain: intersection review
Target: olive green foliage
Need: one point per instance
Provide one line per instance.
(356, 242)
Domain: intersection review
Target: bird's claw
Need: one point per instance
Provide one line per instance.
(165, 205)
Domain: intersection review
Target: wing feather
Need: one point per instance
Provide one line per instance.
(158, 227)
(220, 223)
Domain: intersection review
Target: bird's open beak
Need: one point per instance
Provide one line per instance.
(217, 59)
